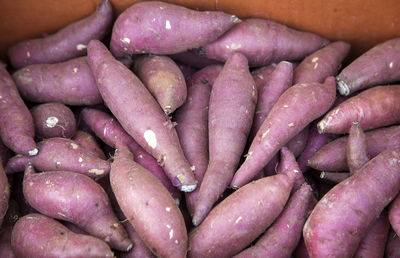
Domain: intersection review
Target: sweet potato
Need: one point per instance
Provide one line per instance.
(297, 144)
(394, 215)
(332, 156)
(140, 195)
(140, 115)
(372, 108)
(232, 103)
(162, 28)
(88, 142)
(379, 65)
(67, 43)
(241, 217)
(10, 218)
(53, 120)
(288, 163)
(333, 177)
(356, 148)
(69, 82)
(192, 59)
(61, 154)
(281, 239)
(283, 122)
(109, 130)
(192, 125)
(4, 194)
(36, 235)
(322, 63)
(163, 79)
(393, 245)
(262, 75)
(78, 199)
(263, 42)
(17, 128)
(344, 215)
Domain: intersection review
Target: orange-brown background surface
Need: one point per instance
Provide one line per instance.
(363, 23)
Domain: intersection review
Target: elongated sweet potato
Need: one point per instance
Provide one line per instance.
(344, 215)
(53, 120)
(140, 195)
(78, 199)
(163, 79)
(17, 128)
(109, 130)
(332, 156)
(36, 235)
(232, 104)
(192, 125)
(393, 245)
(61, 154)
(372, 108)
(65, 44)
(161, 28)
(356, 149)
(394, 215)
(69, 82)
(140, 115)
(283, 122)
(88, 142)
(280, 240)
(258, 40)
(360, 74)
(241, 217)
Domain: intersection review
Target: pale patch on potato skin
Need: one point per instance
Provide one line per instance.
(150, 138)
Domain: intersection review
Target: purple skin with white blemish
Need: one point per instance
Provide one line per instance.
(70, 83)
(263, 42)
(231, 110)
(163, 78)
(67, 43)
(53, 120)
(162, 28)
(140, 115)
(378, 66)
(332, 156)
(36, 235)
(283, 122)
(17, 128)
(192, 125)
(148, 206)
(88, 142)
(78, 199)
(393, 245)
(107, 128)
(61, 154)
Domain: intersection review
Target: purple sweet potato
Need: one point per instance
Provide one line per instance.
(148, 206)
(372, 108)
(332, 156)
(162, 28)
(356, 149)
(192, 125)
(193, 59)
(36, 235)
(232, 103)
(393, 246)
(241, 217)
(285, 121)
(65, 44)
(17, 128)
(344, 215)
(109, 130)
(10, 218)
(140, 115)
(288, 163)
(263, 42)
(379, 65)
(78, 199)
(53, 120)
(70, 82)
(333, 177)
(88, 142)
(394, 214)
(281, 239)
(163, 79)
(322, 63)
(61, 154)
(4, 194)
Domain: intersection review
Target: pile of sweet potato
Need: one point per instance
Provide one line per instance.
(197, 134)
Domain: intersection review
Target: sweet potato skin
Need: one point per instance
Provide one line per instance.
(163, 79)
(65, 44)
(88, 142)
(161, 28)
(53, 120)
(354, 204)
(356, 149)
(36, 235)
(149, 126)
(17, 130)
(70, 82)
(139, 195)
